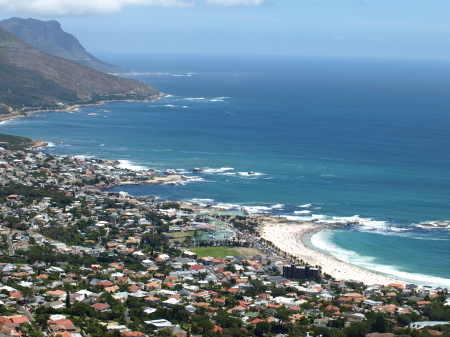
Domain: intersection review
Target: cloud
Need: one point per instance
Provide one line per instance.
(230, 3)
(97, 7)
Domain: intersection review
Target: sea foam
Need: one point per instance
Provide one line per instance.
(324, 241)
(126, 164)
(217, 170)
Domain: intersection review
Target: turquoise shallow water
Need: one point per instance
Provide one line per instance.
(327, 138)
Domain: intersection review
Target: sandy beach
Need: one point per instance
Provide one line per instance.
(288, 238)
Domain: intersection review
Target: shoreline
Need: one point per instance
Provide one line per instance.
(69, 108)
(37, 144)
(290, 238)
(293, 238)
(297, 238)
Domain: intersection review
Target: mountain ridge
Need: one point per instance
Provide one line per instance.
(32, 78)
(49, 36)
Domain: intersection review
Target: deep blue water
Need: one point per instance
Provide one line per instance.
(328, 138)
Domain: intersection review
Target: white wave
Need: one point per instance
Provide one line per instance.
(192, 73)
(126, 164)
(305, 206)
(102, 145)
(194, 98)
(202, 201)
(251, 174)
(320, 216)
(296, 218)
(163, 150)
(227, 206)
(184, 181)
(83, 156)
(228, 174)
(277, 206)
(178, 75)
(218, 170)
(323, 240)
(9, 121)
(194, 178)
(257, 209)
(216, 100)
(364, 224)
(182, 171)
(50, 144)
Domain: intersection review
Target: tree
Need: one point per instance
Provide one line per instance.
(153, 239)
(68, 304)
(380, 324)
(262, 328)
(205, 325)
(283, 316)
(318, 330)
(357, 329)
(182, 315)
(164, 333)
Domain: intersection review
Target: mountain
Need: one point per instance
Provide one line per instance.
(49, 37)
(31, 77)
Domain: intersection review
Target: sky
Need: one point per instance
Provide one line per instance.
(344, 28)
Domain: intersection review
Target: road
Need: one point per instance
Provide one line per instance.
(26, 313)
(127, 316)
(11, 249)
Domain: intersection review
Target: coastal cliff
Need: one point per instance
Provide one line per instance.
(32, 78)
(49, 36)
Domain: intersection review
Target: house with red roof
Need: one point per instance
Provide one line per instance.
(217, 328)
(238, 310)
(133, 334)
(134, 288)
(17, 295)
(152, 300)
(219, 301)
(20, 320)
(101, 306)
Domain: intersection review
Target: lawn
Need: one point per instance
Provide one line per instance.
(222, 252)
(184, 234)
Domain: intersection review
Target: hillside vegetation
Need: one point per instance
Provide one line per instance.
(34, 78)
(48, 36)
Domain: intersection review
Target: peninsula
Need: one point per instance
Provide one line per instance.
(33, 79)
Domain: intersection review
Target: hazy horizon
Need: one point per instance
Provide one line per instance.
(350, 28)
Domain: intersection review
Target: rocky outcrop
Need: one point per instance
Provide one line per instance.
(4, 109)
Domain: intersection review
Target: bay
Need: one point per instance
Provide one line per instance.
(330, 139)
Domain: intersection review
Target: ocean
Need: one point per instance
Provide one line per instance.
(335, 139)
